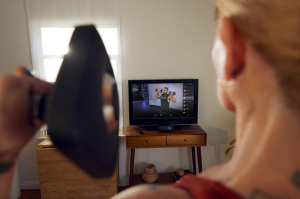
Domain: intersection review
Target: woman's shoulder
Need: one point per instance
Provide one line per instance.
(189, 186)
(153, 191)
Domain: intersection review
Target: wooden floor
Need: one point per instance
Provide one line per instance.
(36, 194)
(30, 194)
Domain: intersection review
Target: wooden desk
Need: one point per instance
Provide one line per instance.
(191, 136)
(62, 178)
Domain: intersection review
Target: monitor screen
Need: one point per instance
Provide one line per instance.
(162, 100)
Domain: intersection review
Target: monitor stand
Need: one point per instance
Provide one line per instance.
(165, 128)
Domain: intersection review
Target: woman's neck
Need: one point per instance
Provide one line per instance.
(267, 152)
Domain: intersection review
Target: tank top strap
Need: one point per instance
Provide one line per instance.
(203, 188)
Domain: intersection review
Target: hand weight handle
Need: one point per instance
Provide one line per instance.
(41, 108)
(41, 103)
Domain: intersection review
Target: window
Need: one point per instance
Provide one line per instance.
(51, 23)
(51, 44)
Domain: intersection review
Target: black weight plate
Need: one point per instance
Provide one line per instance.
(82, 110)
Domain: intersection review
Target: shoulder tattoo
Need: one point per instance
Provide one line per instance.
(153, 187)
(257, 194)
(296, 179)
(7, 160)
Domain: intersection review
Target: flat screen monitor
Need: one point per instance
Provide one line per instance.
(163, 102)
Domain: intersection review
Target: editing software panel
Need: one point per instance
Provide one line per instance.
(163, 100)
(188, 100)
(138, 92)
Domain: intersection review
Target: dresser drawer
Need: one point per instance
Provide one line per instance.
(186, 140)
(146, 141)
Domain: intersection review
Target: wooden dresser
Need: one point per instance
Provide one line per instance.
(61, 178)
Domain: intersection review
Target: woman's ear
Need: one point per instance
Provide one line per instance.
(235, 47)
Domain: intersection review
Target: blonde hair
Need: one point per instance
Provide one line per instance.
(273, 28)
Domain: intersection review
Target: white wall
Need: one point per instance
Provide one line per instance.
(15, 50)
(170, 39)
(173, 39)
(160, 39)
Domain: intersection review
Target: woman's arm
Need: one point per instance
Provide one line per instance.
(6, 176)
(16, 125)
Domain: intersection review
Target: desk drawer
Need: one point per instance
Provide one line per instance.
(186, 140)
(146, 141)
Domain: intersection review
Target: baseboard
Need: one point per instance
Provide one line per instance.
(29, 185)
(124, 182)
(36, 184)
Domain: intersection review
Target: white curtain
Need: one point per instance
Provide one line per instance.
(51, 23)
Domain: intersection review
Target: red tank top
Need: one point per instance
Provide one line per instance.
(203, 188)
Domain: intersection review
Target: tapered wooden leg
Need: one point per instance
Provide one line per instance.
(193, 158)
(199, 159)
(131, 166)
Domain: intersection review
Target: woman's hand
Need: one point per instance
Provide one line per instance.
(16, 99)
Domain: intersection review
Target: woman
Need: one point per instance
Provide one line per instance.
(256, 55)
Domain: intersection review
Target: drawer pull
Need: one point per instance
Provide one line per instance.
(141, 141)
(189, 140)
